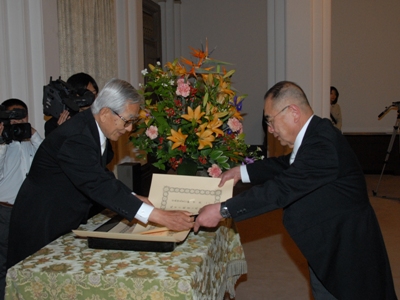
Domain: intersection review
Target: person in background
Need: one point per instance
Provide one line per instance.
(336, 113)
(322, 190)
(15, 160)
(79, 82)
(68, 173)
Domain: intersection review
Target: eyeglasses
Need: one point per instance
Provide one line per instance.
(127, 123)
(269, 120)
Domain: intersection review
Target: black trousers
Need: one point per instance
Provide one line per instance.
(5, 214)
(318, 289)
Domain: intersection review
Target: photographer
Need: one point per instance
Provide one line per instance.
(15, 160)
(81, 83)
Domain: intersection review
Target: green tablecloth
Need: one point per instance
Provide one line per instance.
(204, 266)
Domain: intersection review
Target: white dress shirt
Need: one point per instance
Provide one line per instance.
(145, 210)
(297, 143)
(15, 162)
(299, 140)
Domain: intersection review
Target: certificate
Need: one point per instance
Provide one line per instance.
(190, 193)
(168, 192)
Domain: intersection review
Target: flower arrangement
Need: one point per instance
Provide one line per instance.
(191, 118)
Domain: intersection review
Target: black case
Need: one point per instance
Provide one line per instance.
(132, 245)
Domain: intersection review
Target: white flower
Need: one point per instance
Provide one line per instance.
(158, 63)
(144, 72)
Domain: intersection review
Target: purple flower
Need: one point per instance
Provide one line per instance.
(237, 105)
(248, 160)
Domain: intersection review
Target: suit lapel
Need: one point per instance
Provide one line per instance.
(95, 132)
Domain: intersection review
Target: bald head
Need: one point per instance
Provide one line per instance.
(287, 91)
(286, 110)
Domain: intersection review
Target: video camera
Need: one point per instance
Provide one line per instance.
(14, 132)
(59, 96)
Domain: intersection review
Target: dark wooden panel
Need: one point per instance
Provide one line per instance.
(371, 150)
(151, 32)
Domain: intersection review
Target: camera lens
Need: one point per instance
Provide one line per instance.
(17, 131)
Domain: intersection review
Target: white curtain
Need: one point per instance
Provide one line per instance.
(87, 39)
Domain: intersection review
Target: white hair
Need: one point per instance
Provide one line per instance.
(115, 95)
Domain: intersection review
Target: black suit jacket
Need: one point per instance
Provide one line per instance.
(326, 212)
(66, 176)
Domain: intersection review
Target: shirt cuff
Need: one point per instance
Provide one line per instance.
(243, 174)
(144, 212)
(36, 139)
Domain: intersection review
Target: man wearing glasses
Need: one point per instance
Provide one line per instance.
(69, 172)
(323, 193)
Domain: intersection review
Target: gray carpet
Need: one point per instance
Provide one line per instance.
(276, 268)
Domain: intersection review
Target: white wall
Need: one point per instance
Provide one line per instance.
(308, 49)
(51, 47)
(29, 49)
(366, 62)
(130, 40)
(365, 54)
(296, 34)
(239, 31)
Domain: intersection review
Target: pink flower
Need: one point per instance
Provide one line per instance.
(235, 125)
(183, 88)
(214, 171)
(152, 132)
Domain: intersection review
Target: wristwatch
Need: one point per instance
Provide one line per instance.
(224, 211)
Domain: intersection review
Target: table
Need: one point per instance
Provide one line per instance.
(204, 266)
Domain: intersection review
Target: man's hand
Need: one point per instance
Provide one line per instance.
(176, 220)
(64, 116)
(233, 173)
(209, 216)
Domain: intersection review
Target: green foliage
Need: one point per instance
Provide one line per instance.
(191, 115)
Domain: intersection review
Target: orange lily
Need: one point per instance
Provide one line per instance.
(196, 115)
(223, 90)
(214, 124)
(178, 138)
(144, 115)
(205, 137)
(224, 87)
(234, 113)
(176, 68)
(211, 110)
(208, 79)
